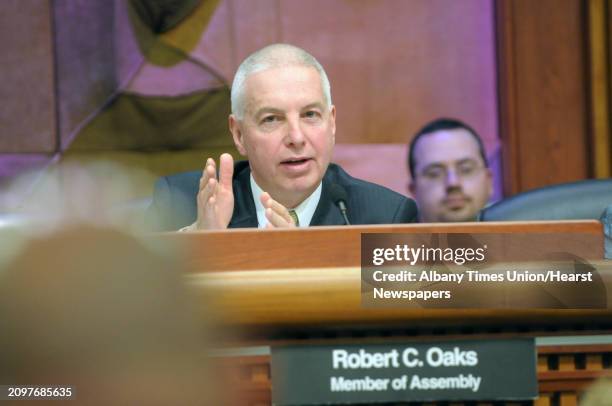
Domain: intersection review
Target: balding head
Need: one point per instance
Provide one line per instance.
(273, 56)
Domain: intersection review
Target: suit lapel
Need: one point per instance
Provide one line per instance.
(326, 214)
(244, 214)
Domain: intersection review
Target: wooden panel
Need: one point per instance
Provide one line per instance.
(572, 376)
(542, 364)
(332, 297)
(568, 399)
(554, 388)
(255, 24)
(567, 363)
(542, 400)
(395, 64)
(591, 349)
(321, 247)
(609, 30)
(27, 90)
(542, 367)
(300, 277)
(600, 87)
(543, 96)
(594, 362)
(383, 164)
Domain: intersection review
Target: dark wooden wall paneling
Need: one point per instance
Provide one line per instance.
(600, 47)
(543, 84)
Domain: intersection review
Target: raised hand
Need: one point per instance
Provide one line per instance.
(216, 197)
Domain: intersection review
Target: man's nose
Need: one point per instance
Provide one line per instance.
(452, 177)
(295, 134)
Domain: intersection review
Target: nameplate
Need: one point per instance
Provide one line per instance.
(376, 373)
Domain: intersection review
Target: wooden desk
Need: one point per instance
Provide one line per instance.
(297, 286)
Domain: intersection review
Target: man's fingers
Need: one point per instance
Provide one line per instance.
(276, 220)
(276, 207)
(207, 200)
(215, 203)
(211, 170)
(208, 172)
(208, 191)
(226, 170)
(276, 213)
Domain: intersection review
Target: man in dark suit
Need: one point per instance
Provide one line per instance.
(284, 122)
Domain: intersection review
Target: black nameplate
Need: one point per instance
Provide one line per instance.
(433, 371)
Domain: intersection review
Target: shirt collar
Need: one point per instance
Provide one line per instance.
(304, 210)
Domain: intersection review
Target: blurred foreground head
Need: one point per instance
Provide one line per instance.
(101, 311)
(99, 193)
(598, 394)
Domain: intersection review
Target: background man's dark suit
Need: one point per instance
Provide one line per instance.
(174, 201)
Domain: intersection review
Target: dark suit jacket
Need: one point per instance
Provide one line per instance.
(174, 201)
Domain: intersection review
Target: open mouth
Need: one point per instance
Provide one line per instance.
(295, 161)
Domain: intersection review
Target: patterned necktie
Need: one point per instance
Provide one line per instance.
(295, 218)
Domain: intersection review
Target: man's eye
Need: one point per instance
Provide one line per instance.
(467, 168)
(311, 114)
(269, 119)
(434, 173)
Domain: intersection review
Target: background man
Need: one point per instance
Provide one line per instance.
(451, 180)
(284, 122)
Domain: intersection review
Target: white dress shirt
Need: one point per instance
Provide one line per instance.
(304, 210)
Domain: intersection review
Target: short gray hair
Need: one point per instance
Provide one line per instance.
(273, 56)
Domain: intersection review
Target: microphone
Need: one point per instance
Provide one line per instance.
(339, 197)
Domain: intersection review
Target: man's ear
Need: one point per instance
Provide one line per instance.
(411, 187)
(332, 122)
(489, 175)
(237, 136)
